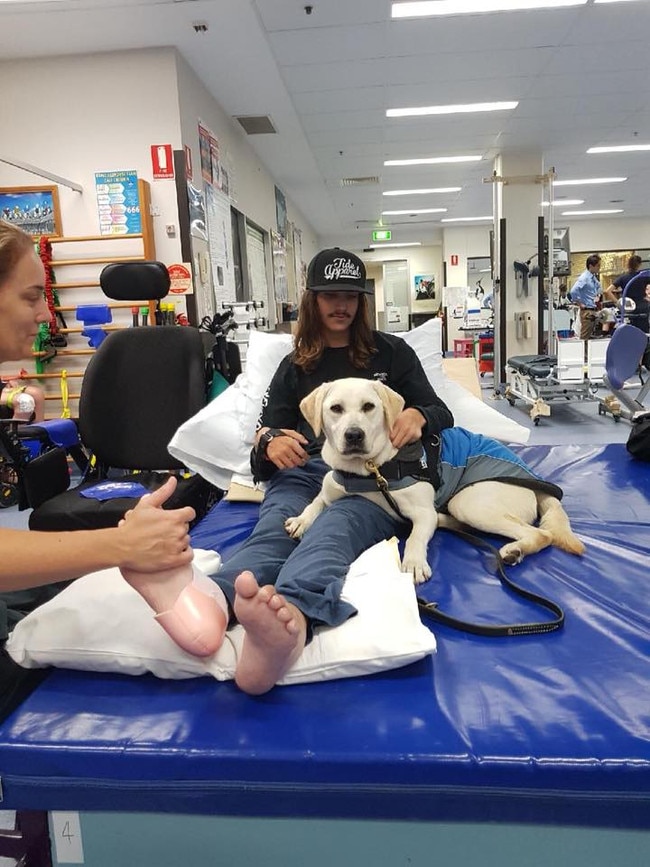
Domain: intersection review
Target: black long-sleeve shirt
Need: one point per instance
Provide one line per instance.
(395, 364)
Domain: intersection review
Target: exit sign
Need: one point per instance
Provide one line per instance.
(381, 235)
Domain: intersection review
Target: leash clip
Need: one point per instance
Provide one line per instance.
(382, 484)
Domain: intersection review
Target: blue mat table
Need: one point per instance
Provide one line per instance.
(546, 729)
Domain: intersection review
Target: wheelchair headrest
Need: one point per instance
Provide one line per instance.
(135, 281)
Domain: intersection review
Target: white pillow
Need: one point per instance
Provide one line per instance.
(216, 442)
(99, 623)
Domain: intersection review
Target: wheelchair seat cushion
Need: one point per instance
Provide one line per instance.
(73, 511)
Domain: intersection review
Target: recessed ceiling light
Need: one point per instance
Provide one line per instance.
(451, 109)
(614, 1)
(416, 211)
(421, 192)
(579, 181)
(427, 8)
(464, 219)
(428, 161)
(395, 244)
(587, 213)
(563, 203)
(619, 149)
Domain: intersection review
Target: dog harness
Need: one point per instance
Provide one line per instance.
(461, 459)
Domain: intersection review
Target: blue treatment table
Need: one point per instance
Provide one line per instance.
(546, 729)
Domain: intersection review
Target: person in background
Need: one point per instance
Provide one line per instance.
(615, 289)
(297, 585)
(148, 539)
(586, 293)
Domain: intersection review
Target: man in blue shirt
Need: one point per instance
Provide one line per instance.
(586, 293)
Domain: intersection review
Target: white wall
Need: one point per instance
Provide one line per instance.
(252, 188)
(77, 115)
(420, 260)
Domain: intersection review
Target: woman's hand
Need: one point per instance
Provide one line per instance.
(407, 428)
(155, 538)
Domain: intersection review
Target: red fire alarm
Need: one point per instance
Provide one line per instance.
(162, 161)
(454, 259)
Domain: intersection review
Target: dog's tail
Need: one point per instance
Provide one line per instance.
(555, 520)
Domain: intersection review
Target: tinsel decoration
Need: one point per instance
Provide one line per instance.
(45, 253)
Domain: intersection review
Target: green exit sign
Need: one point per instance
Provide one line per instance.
(381, 235)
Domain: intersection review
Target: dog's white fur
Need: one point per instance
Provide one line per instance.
(356, 416)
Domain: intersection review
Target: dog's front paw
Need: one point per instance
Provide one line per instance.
(420, 569)
(296, 527)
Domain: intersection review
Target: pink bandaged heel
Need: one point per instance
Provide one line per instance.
(198, 619)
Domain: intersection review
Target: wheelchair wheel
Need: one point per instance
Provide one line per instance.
(8, 495)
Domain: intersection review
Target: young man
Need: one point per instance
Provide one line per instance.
(279, 590)
(586, 293)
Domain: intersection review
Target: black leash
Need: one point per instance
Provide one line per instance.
(431, 610)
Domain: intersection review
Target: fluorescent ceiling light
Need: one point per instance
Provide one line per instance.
(579, 181)
(428, 161)
(619, 149)
(451, 109)
(564, 203)
(464, 219)
(421, 192)
(396, 244)
(586, 213)
(614, 1)
(416, 211)
(427, 8)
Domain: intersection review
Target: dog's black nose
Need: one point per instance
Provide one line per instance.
(354, 437)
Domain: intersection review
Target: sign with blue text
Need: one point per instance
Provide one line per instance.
(118, 203)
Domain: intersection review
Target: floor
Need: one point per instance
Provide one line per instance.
(571, 421)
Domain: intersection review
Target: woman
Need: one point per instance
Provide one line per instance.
(149, 539)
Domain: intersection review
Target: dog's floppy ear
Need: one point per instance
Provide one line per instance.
(312, 407)
(392, 401)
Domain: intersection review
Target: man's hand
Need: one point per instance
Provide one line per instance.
(407, 428)
(287, 452)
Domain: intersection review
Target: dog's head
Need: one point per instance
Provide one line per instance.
(356, 416)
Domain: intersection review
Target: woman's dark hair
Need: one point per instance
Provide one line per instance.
(309, 334)
(634, 263)
(14, 244)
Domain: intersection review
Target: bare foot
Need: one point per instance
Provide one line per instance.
(275, 635)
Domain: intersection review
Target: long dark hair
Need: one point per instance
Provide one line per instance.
(309, 335)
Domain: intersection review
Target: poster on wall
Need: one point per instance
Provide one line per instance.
(197, 213)
(281, 212)
(204, 152)
(118, 203)
(279, 253)
(425, 298)
(220, 245)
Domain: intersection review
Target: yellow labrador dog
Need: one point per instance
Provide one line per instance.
(356, 416)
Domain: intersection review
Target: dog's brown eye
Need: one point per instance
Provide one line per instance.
(336, 408)
(367, 407)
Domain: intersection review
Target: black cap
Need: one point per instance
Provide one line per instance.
(336, 270)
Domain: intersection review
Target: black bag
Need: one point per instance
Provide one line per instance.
(638, 442)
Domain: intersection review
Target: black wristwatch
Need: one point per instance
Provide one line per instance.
(266, 438)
